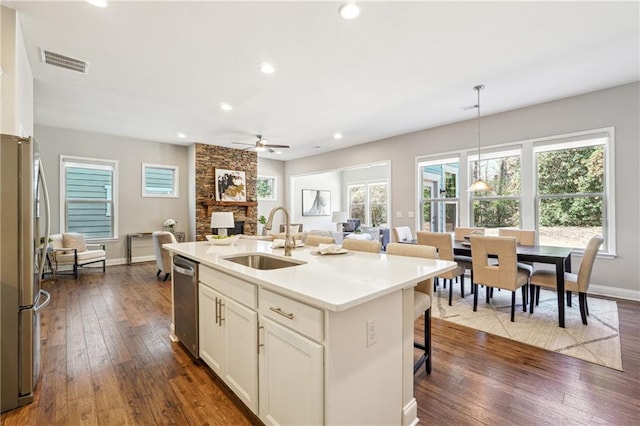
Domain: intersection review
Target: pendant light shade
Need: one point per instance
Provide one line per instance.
(479, 184)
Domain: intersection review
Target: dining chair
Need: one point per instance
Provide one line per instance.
(163, 257)
(504, 274)
(572, 282)
(422, 297)
(524, 237)
(402, 234)
(442, 242)
(362, 245)
(459, 235)
(316, 240)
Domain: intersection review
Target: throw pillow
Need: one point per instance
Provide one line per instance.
(73, 240)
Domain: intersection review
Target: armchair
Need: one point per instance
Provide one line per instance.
(70, 249)
(163, 257)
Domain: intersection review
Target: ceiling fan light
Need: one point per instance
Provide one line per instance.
(225, 106)
(260, 148)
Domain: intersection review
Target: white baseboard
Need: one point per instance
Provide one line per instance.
(617, 292)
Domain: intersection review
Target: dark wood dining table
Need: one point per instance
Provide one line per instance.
(559, 256)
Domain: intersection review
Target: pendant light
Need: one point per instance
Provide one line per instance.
(479, 184)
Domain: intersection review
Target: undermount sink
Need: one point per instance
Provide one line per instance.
(262, 261)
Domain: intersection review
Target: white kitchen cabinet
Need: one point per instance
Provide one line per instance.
(228, 340)
(291, 377)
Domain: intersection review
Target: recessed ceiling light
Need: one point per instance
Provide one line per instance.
(337, 135)
(267, 68)
(349, 11)
(181, 135)
(98, 3)
(225, 106)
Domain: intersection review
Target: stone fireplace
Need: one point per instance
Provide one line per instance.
(210, 157)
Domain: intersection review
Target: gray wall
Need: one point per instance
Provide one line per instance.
(618, 107)
(136, 213)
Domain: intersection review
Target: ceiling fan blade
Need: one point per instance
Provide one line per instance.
(242, 143)
(277, 146)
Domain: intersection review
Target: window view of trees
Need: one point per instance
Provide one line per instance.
(369, 203)
(501, 208)
(440, 182)
(571, 195)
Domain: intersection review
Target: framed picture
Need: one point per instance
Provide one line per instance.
(231, 185)
(266, 188)
(316, 202)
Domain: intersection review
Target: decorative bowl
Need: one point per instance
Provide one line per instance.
(217, 240)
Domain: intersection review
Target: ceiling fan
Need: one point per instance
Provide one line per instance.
(261, 145)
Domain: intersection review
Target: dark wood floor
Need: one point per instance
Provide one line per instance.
(107, 360)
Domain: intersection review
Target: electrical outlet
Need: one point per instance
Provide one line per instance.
(372, 332)
(399, 214)
(410, 214)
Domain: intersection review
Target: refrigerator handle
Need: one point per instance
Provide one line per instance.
(43, 304)
(47, 213)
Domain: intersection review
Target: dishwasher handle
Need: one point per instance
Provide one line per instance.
(184, 271)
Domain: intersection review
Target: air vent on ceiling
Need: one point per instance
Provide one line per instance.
(62, 61)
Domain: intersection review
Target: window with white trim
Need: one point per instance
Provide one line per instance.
(439, 183)
(499, 208)
(369, 202)
(562, 186)
(570, 191)
(88, 191)
(159, 181)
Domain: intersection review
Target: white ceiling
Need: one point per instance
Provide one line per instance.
(158, 68)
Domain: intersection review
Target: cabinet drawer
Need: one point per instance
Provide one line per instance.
(293, 314)
(235, 288)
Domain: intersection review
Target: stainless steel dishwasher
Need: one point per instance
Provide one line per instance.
(185, 301)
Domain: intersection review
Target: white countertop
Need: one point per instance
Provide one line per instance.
(333, 282)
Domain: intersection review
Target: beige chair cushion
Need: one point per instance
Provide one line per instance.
(442, 242)
(362, 245)
(163, 257)
(505, 274)
(421, 302)
(315, 240)
(73, 240)
(525, 237)
(459, 233)
(83, 257)
(547, 279)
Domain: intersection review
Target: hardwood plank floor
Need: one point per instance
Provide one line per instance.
(107, 360)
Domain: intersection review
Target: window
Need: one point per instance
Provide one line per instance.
(439, 194)
(561, 186)
(501, 207)
(266, 188)
(570, 194)
(87, 196)
(159, 181)
(369, 202)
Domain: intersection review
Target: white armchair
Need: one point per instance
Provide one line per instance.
(163, 257)
(70, 249)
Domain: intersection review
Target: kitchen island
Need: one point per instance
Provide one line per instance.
(328, 340)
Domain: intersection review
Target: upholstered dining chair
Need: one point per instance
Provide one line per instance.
(442, 242)
(71, 249)
(315, 240)
(572, 282)
(402, 234)
(524, 237)
(163, 258)
(422, 296)
(362, 245)
(459, 234)
(505, 274)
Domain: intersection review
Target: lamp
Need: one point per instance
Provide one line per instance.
(338, 218)
(222, 221)
(479, 184)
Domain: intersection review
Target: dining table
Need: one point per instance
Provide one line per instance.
(558, 256)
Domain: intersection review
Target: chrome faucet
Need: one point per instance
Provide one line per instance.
(289, 242)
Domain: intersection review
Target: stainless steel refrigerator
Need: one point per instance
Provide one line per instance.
(24, 230)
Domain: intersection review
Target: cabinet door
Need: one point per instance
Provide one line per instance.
(211, 332)
(240, 326)
(291, 377)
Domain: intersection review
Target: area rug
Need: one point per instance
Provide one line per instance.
(598, 342)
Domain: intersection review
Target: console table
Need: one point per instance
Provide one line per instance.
(180, 236)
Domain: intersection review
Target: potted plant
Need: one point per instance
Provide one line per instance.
(262, 220)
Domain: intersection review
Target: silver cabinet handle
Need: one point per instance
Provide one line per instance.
(217, 312)
(281, 312)
(221, 311)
